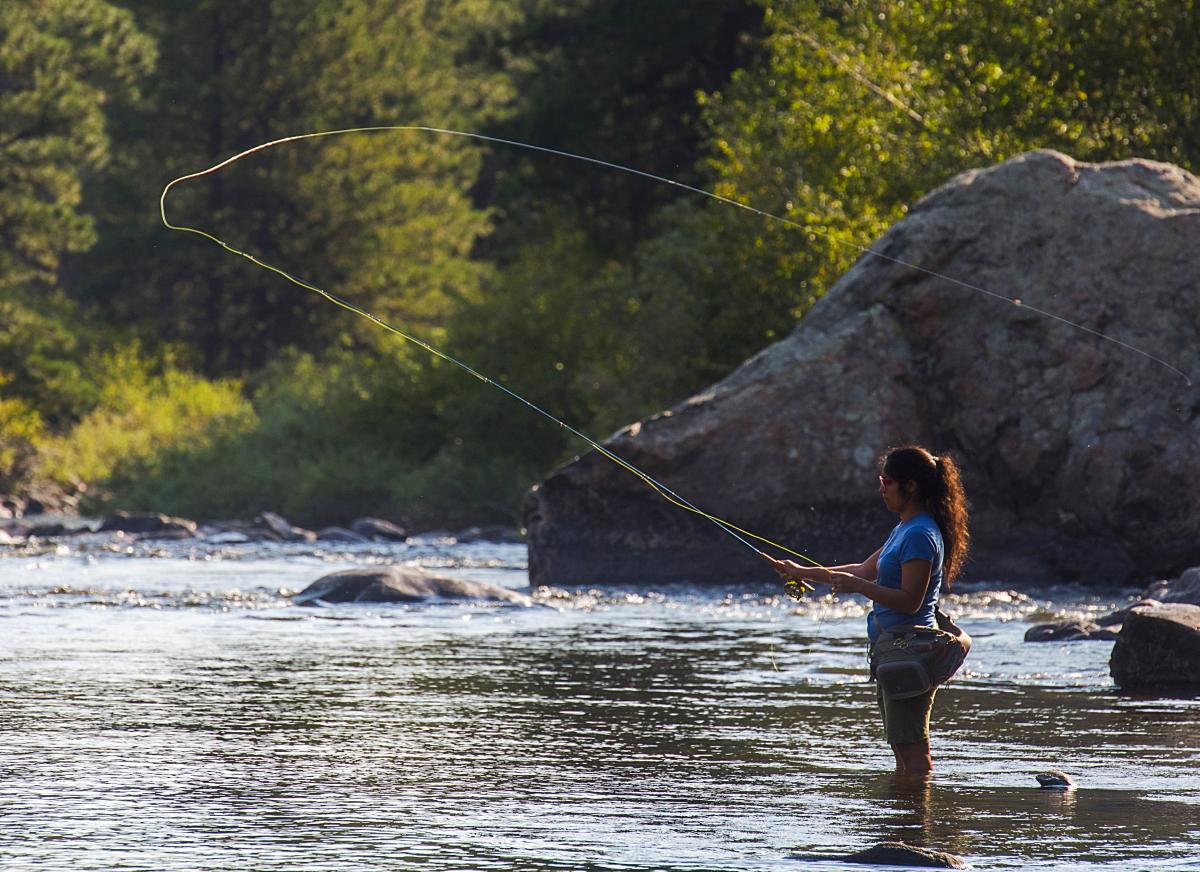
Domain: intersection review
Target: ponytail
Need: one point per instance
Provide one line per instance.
(939, 485)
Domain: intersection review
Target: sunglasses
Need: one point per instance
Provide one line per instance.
(885, 480)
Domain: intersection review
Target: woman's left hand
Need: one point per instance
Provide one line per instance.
(844, 582)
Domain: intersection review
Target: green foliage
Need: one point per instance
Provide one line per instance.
(143, 407)
(329, 440)
(614, 80)
(384, 218)
(43, 354)
(59, 62)
(20, 431)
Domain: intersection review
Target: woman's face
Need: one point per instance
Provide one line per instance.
(892, 492)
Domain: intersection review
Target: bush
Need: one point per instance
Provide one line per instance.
(20, 430)
(144, 408)
(327, 440)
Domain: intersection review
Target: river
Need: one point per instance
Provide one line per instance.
(165, 707)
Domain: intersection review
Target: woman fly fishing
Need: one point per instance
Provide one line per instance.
(913, 645)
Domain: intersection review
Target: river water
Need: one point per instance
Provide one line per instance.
(166, 707)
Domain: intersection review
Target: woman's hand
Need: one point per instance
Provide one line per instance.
(790, 570)
(795, 577)
(844, 582)
(785, 568)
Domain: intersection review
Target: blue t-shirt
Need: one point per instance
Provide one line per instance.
(918, 538)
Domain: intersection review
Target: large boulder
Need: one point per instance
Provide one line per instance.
(1072, 446)
(1158, 648)
(401, 584)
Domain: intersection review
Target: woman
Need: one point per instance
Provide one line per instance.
(923, 555)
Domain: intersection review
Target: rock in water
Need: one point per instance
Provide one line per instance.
(1053, 779)
(284, 529)
(340, 534)
(893, 854)
(401, 584)
(148, 525)
(1073, 447)
(1068, 631)
(1159, 649)
(379, 529)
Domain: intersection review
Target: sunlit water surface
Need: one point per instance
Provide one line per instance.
(167, 708)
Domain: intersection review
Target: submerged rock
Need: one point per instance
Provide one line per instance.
(55, 530)
(12, 506)
(148, 526)
(340, 534)
(379, 529)
(401, 584)
(1068, 631)
(1053, 779)
(1159, 649)
(284, 529)
(893, 854)
(1072, 447)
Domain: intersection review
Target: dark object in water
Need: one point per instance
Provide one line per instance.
(379, 530)
(1052, 779)
(893, 854)
(1068, 631)
(401, 584)
(149, 526)
(284, 529)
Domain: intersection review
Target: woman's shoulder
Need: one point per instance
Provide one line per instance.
(922, 528)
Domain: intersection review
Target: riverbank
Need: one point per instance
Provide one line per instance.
(122, 528)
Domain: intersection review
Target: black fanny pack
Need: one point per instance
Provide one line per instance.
(908, 661)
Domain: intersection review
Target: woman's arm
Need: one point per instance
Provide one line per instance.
(793, 571)
(914, 582)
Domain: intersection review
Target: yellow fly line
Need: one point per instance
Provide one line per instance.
(796, 588)
(742, 535)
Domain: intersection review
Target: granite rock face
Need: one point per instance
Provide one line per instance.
(1159, 649)
(1072, 447)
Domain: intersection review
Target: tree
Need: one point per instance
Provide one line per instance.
(380, 218)
(61, 62)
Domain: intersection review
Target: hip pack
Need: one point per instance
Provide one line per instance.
(908, 661)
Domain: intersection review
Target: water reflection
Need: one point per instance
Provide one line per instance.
(907, 799)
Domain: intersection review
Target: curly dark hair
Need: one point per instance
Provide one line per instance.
(939, 486)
